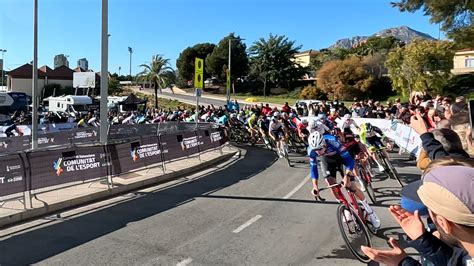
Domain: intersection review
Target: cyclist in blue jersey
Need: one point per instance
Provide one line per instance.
(332, 157)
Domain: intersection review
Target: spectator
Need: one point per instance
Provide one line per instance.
(286, 108)
(446, 191)
(459, 105)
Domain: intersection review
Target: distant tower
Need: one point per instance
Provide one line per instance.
(83, 63)
(60, 60)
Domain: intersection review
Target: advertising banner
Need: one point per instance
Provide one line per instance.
(82, 135)
(12, 178)
(208, 139)
(9, 145)
(57, 167)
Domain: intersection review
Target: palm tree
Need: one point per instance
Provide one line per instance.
(158, 72)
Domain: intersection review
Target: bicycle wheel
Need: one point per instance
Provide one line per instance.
(368, 185)
(393, 172)
(285, 152)
(354, 233)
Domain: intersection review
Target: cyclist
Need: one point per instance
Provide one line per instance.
(263, 126)
(372, 136)
(277, 131)
(332, 157)
(346, 124)
(252, 125)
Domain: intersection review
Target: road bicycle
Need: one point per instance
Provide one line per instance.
(366, 178)
(353, 223)
(389, 170)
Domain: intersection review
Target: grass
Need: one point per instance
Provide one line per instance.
(269, 99)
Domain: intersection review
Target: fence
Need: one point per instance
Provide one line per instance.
(88, 135)
(47, 169)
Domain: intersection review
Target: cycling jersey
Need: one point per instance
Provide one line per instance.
(252, 121)
(263, 124)
(223, 120)
(275, 125)
(330, 165)
(369, 137)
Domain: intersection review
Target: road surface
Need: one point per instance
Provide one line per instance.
(251, 211)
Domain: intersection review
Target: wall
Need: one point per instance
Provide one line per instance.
(24, 85)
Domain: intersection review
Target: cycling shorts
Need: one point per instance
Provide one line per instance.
(374, 141)
(278, 133)
(330, 165)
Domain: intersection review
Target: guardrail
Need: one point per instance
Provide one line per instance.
(24, 173)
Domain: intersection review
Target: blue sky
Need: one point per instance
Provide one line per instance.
(72, 27)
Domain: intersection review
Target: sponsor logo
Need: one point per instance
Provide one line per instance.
(57, 166)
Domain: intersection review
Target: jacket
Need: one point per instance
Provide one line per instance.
(435, 252)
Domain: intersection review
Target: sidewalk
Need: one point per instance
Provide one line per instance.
(12, 212)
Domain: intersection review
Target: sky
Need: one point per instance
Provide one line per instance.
(73, 27)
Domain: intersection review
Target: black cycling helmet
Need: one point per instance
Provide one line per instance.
(368, 126)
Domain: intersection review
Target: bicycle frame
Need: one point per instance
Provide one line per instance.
(353, 201)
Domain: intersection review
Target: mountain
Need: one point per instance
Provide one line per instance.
(403, 33)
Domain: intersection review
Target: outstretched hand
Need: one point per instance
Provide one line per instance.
(386, 257)
(410, 222)
(418, 124)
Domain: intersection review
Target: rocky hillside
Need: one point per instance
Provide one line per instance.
(403, 33)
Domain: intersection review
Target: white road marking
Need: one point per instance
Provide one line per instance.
(184, 262)
(247, 224)
(300, 185)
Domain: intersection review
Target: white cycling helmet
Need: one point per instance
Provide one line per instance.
(317, 126)
(276, 114)
(347, 116)
(316, 140)
(304, 121)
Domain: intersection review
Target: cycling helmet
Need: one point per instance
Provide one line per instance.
(276, 115)
(233, 115)
(316, 126)
(316, 140)
(305, 122)
(368, 126)
(347, 116)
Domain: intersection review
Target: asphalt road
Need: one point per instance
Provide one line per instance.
(254, 210)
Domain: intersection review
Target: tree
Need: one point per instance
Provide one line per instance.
(345, 79)
(158, 72)
(217, 61)
(186, 59)
(420, 66)
(376, 44)
(114, 86)
(455, 16)
(272, 60)
(312, 92)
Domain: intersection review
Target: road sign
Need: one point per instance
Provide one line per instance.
(228, 79)
(198, 73)
(198, 92)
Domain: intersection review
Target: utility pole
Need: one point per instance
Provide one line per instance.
(34, 92)
(130, 50)
(230, 61)
(104, 74)
(120, 68)
(3, 63)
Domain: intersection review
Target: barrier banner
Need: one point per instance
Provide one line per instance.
(12, 178)
(9, 145)
(53, 139)
(55, 167)
(134, 155)
(179, 145)
(208, 139)
(167, 127)
(223, 135)
(81, 135)
(404, 136)
(123, 132)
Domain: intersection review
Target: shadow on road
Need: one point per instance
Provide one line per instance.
(37, 245)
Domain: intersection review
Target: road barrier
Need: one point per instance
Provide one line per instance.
(25, 173)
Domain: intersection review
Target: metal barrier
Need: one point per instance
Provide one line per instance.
(30, 172)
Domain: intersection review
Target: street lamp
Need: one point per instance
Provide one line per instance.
(230, 62)
(130, 50)
(3, 63)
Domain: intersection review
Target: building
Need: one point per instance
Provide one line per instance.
(20, 79)
(304, 58)
(60, 60)
(463, 62)
(83, 63)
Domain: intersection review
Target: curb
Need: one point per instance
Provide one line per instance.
(31, 214)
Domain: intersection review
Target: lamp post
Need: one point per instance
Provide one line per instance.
(3, 63)
(34, 92)
(104, 74)
(130, 50)
(230, 63)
